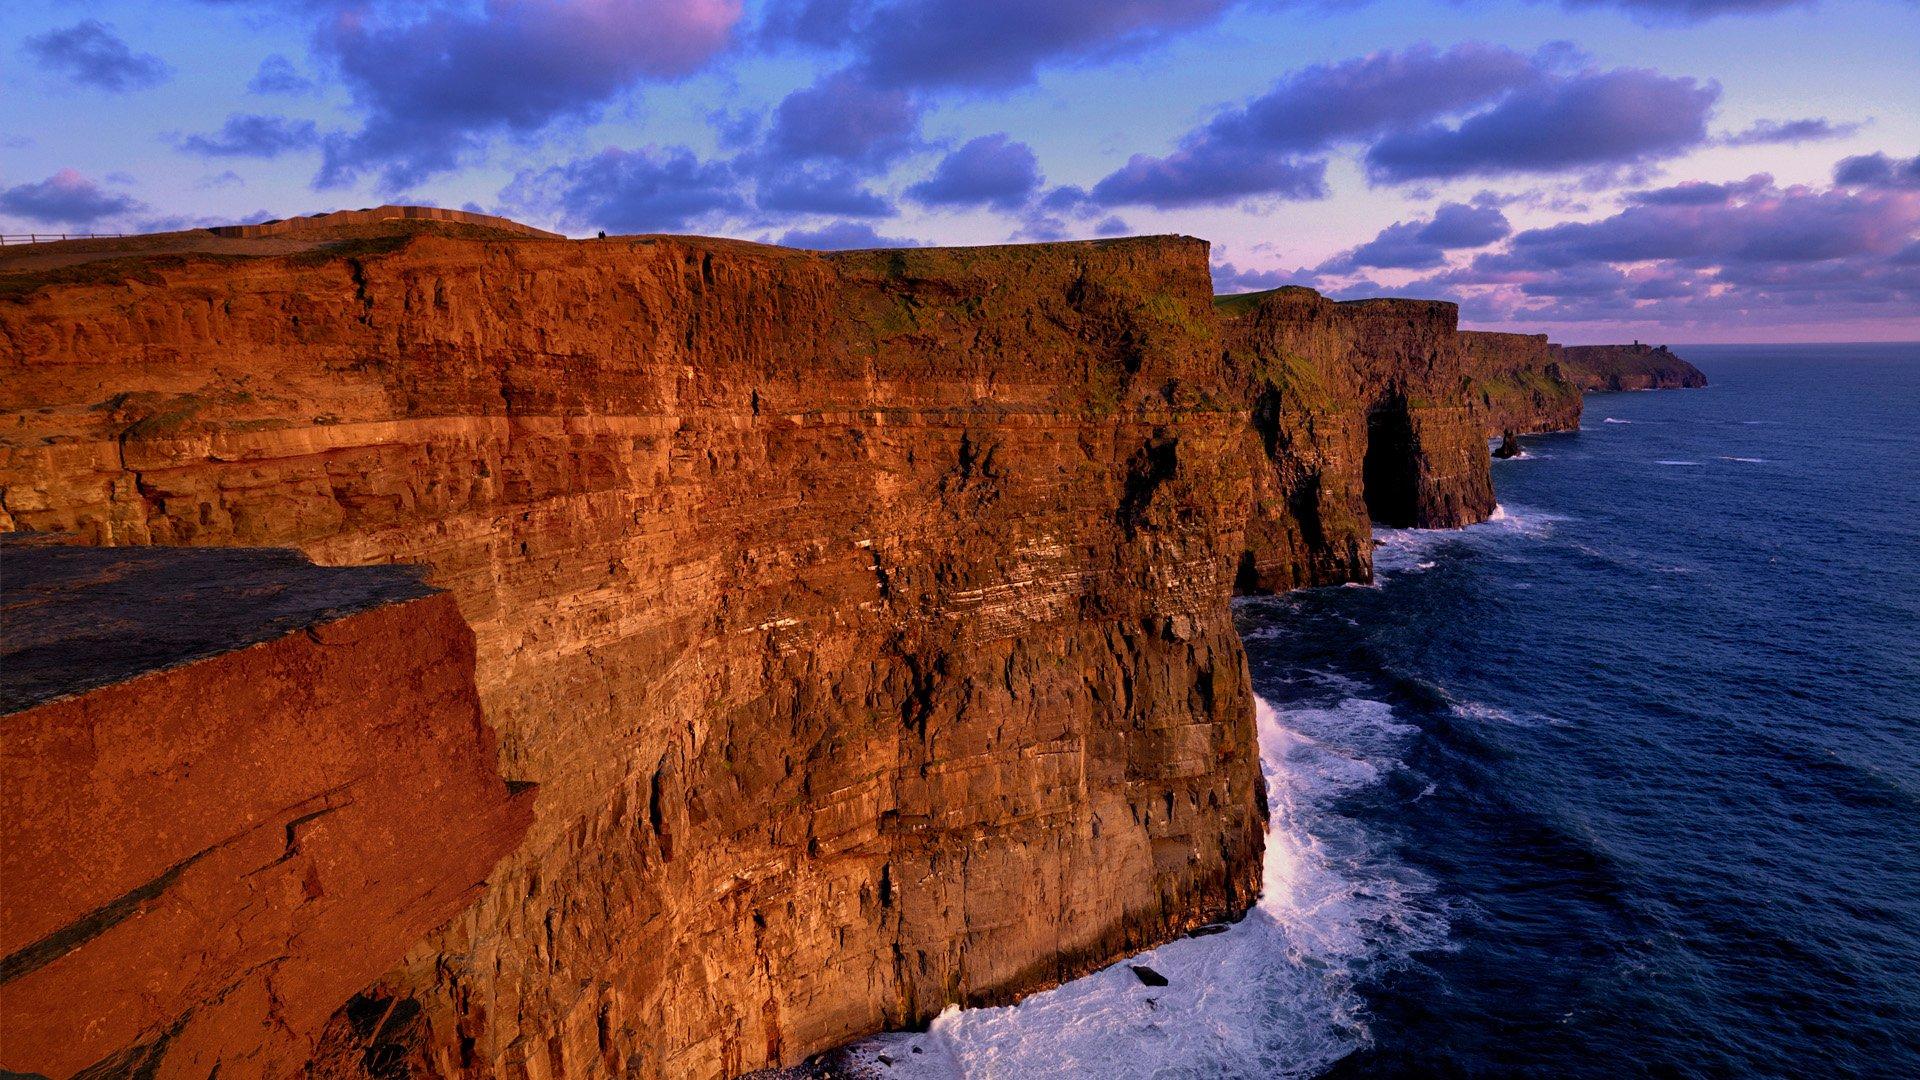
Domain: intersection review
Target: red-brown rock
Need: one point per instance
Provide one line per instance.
(236, 789)
(863, 617)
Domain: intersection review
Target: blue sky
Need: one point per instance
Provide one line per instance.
(1685, 170)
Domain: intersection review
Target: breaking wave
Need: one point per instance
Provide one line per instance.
(1271, 996)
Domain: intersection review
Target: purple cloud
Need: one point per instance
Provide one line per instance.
(843, 118)
(652, 189)
(1797, 225)
(1877, 170)
(991, 170)
(1687, 11)
(65, 198)
(842, 236)
(277, 75)
(1701, 193)
(818, 189)
(435, 87)
(90, 53)
(1262, 147)
(1695, 252)
(1422, 245)
(981, 43)
(1774, 132)
(1590, 120)
(254, 136)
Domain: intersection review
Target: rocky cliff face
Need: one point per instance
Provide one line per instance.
(1362, 411)
(237, 789)
(1521, 383)
(1628, 367)
(863, 618)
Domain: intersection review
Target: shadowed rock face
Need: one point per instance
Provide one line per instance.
(863, 617)
(1521, 382)
(237, 788)
(1628, 367)
(1362, 411)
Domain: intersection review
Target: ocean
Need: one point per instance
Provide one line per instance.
(1624, 782)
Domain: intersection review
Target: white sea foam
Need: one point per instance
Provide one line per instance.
(1272, 996)
(1402, 550)
(1675, 461)
(1748, 460)
(1613, 420)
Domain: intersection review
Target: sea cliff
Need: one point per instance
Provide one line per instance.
(1361, 411)
(1628, 367)
(861, 618)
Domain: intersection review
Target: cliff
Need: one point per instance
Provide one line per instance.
(862, 617)
(1628, 367)
(1521, 383)
(237, 788)
(1362, 411)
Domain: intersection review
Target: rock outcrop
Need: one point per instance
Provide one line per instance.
(1628, 367)
(1362, 411)
(862, 617)
(237, 789)
(1521, 382)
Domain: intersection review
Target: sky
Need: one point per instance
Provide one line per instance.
(1598, 170)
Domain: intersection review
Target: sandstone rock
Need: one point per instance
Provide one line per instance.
(1509, 447)
(1629, 367)
(1521, 382)
(1362, 412)
(863, 617)
(237, 788)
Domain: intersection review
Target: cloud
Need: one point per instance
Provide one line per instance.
(1420, 245)
(65, 198)
(653, 189)
(1877, 170)
(277, 75)
(1687, 11)
(843, 118)
(819, 189)
(992, 170)
(1771, 132)
(975, 44)
(842, 236)
(91, 54)
(1265, 146)
(1701, 193)
(1744, 252)
(255, 136)
(434, 88)
(1589, 120)
(1424, 114)
(1229, 279)
(1795, 225)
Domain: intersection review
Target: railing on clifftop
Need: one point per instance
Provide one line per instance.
(48, 238)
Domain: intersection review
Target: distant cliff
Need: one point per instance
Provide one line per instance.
(1521, 383)
(1628, 367)
(1361, 411)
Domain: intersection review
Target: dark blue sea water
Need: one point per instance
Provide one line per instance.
(1664, 772)
(1623, 783)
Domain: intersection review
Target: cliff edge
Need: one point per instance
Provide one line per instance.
(1628, 367)
(237, 788)
(862, 617)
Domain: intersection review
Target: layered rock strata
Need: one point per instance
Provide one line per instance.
(1362, 411)
(1628, 367)
(1522, 385)
(863, 617)
(237, 788)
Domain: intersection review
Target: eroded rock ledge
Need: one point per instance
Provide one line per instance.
(862, 617)
(237, 788)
